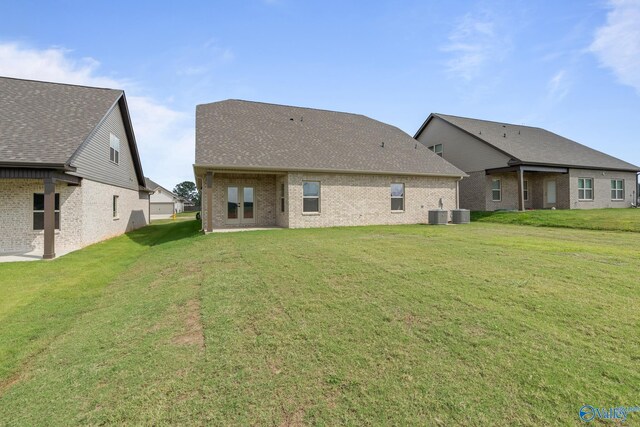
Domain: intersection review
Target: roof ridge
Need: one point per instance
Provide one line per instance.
(285, 105)
(489, 121)
(60, 83)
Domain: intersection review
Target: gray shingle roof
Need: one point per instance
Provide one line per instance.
(46, 123)
(244, 134)
(153, 186)
(535, 145)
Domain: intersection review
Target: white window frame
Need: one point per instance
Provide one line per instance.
(396, 197)
(114, 149)
(116, 206)
(584, 189)
(438, 149)
(525, 189)
(499, 190)
(615, 190)
(56, 211)
(319, 197)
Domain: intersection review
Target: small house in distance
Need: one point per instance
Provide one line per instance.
(70, 173)
(521, 167)
(261, 164)
(163, 203)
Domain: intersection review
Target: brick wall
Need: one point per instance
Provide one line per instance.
(85, 214)
(349, 199)
(472, 191)
(601, 188)
(98, 222)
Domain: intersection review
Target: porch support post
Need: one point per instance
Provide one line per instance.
(209, 192)
(49, 218)
(520, 189)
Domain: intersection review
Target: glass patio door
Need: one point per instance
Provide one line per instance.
(240, 205)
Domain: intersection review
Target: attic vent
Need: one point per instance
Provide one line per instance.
(504, 135)
(382, 145)
(300, 118)
(291, 119)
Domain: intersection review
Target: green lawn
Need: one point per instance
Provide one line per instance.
(588, 219)
(398, 325)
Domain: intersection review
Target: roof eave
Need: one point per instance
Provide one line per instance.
(37, 165)
(525, 163)
(198, 166)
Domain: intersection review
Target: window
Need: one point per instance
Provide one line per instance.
(585, 188)
(496, 190)
(38, 211)
(525, 189)
(114, 149)
(282, 197)
(115, 206)
(397, 197)
(617, 189)
(311, 197)
(437, 149)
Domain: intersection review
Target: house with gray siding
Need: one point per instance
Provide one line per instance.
(70, 173)
(515, 167)
(260, 164)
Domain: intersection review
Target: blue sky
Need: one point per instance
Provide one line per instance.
(572, 67)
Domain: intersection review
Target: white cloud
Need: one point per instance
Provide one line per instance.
(472, 44)
(164, 135)
(558, 86)
(617, 43)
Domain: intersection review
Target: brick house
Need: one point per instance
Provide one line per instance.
(516, 167)
(70, 174)
(262, 165)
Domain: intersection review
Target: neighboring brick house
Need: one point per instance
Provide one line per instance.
(520, 167)
(162, 201)
(70, 174)
(262, 164)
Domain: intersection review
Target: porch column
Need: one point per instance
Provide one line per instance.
(209, 189)
(520, 189)
(49, 218)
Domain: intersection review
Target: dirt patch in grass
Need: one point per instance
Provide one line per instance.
(193, 333)
(294, 419)
(10, 382)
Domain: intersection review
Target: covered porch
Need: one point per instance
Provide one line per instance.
(524, 187)
(243, 200)
(31, 203)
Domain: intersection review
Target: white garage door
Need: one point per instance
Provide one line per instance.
(161, 208)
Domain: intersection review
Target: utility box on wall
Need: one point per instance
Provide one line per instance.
(438, 217)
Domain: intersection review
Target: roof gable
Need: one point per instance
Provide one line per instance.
(534, 145)
(45, 124)
(243, 134)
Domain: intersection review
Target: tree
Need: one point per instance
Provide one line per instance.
(188, 191)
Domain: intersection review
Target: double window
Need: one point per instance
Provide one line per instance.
(617, 189)
(496, 190)
(38, 211)
(311, 197)
(114, 149)
(397, 197)
(438, 149)
(585, 188)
